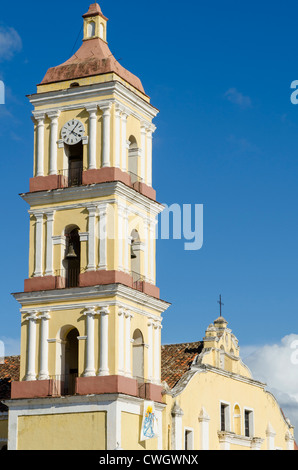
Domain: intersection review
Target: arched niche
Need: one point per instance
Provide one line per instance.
(135, 255)
(138, 356)
(133, 154)
(72, 259)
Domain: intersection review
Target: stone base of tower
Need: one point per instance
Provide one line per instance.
(98, 176)
(89, 279)
(110, 384)
(93, 422)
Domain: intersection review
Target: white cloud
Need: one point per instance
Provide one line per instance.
(11, 346)
(277, 366)
(10, 43)
(236, 97)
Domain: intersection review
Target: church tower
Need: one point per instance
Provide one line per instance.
(90, 310)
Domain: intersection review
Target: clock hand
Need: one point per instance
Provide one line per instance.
(75, 127)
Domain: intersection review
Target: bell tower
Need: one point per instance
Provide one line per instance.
(91, 311)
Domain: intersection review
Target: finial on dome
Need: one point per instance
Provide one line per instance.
(220, 322)
(95, 23)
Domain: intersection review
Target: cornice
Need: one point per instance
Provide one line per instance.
(81, 294)
(205, 368)
(97, 305)
(93, 191)
(61, 404)
(53, 99)
(231, 375)
(232, 438)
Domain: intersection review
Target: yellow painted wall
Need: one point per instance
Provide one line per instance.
(47, 432)
(209, 389)
(87, 81)
(62, 321)
(131, 425)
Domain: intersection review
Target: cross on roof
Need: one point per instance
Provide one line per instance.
(220, 303)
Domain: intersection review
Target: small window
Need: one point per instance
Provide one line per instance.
(188, 439)
(91, 29)
(101, 31)
(237, 420)
(248, 423)
(224, 417)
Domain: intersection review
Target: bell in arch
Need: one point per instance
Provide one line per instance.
(71, 252)
(132, 253)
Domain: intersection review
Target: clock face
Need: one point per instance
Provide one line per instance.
(72, 132)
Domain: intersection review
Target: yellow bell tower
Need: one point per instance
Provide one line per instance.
(91, 310)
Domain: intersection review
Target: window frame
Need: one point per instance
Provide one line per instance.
(227, 416)
(250, 413)
(189, 433)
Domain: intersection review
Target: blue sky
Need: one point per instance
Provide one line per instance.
(220, 74)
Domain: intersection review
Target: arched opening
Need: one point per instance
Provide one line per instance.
(71, 361)
(101, 31)
(135, 256)
(91, 29)
(74, 154)
(237, 420)
(133, 153)
(72, 261)
(138, 356)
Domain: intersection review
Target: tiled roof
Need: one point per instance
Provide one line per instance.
(9, 372)
(176, 360)
(93, 58)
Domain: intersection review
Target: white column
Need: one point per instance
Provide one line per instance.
(60, 241)
(38, 245)
(128, 317)
(53, 141)
(150, 350)
(90, 360)
(49, 248)
(124, 140)
(157, 347)
(31, 347)
(152, 235)
(106, 135)
(177, 414)
(204, 429)
(143, 157)
(126, 242)
(91, 239)
(117, 136)
(270, 435)
(114, 415)
(104, 342)
(120, 237)
(44, 347)
(92, 110)
(103, 236)
(40, 144)
(149, 157)
(146, 250)
(121, 315)
(290, 440)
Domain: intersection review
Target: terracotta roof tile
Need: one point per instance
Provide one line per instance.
(9, 372)
(94, 10)
(176, 360)
(93, 58)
